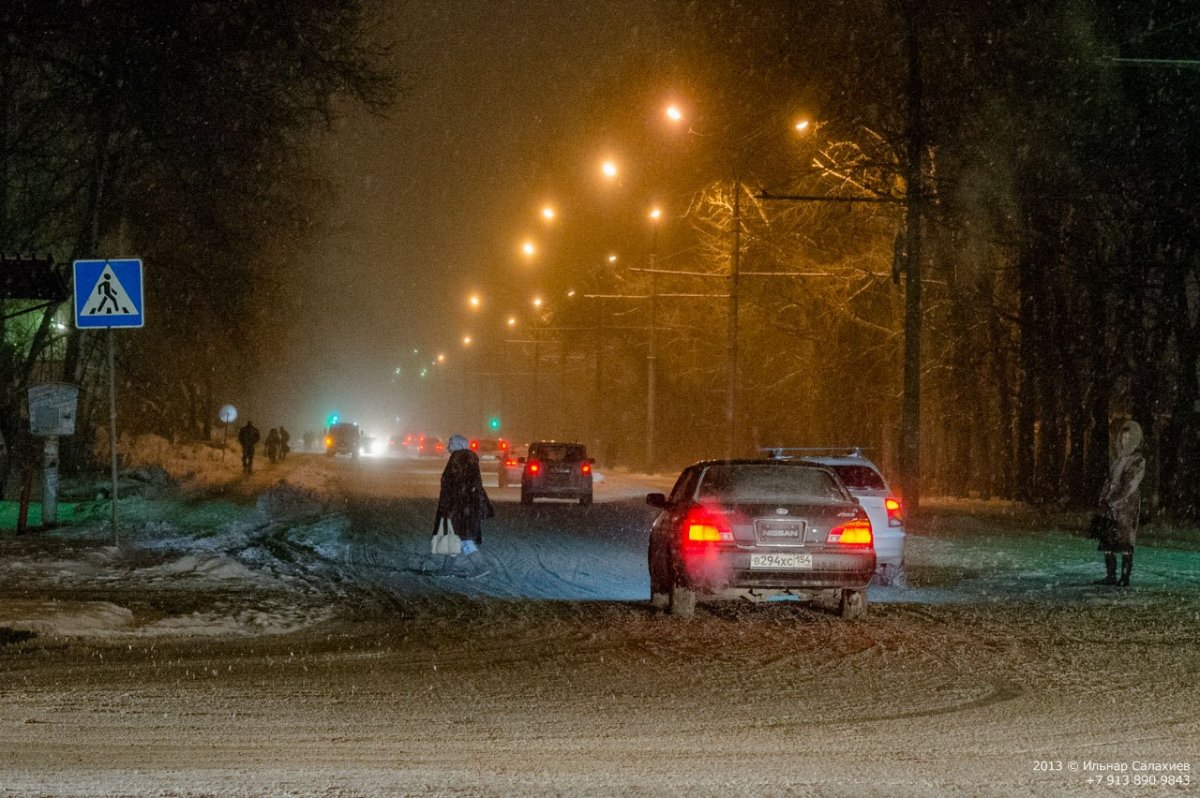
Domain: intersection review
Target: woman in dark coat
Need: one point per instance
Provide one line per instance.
(462, 498)
(1121, 500)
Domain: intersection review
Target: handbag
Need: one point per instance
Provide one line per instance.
(1103, 527)
(445, 540)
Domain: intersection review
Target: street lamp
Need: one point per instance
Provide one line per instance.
(548, 213)
(609, 169)
(528, 248)
(474, 301)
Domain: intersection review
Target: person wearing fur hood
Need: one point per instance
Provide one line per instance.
(1121, 500)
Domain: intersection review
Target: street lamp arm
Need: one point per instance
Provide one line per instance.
(763, 194)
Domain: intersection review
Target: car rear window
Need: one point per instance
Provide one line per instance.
(566, 453)
(769, 482)
(857, 477)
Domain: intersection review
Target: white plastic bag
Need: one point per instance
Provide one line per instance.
(445, 540)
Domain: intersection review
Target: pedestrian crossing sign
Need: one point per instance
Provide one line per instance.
(108, 293)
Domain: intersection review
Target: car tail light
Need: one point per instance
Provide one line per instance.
(509, 463)
(703, 526)
(533, 466)
(503, 445)
(586, 468)
(474, 446)
(895, 512)
(852, 533)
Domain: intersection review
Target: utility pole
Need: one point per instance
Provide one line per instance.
(731, 342)
(910, 423)
(652, 352)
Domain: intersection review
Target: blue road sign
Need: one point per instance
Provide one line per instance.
(108, 293)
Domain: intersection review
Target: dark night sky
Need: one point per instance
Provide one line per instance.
(511, 103)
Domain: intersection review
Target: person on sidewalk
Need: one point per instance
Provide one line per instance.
(248, 437)
(1121, 500)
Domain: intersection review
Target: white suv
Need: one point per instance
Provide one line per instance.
(865, 482)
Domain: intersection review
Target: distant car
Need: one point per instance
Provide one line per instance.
(510, 468)
(343, 438)
(554, 470)
(489, 449)
(866, 483)
(759, 528)
(371, 446)
(429, 446)
(402, 444)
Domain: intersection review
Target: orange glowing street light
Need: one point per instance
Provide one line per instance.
(548, 213)
(474, 301)
(466, 341)
(537, 302)
(609, 169)
(801, 125)
(512, 321)
(674, 113)
(529, 249)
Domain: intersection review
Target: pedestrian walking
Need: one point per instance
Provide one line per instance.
(248, 437)
(1121, 500)
(284, 437)
(273, 445)
(464, 502)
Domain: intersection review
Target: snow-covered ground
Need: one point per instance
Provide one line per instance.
(288, 634)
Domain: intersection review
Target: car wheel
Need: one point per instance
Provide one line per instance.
(683, 601)
(526, 498)
(585, 499)
(853, 604)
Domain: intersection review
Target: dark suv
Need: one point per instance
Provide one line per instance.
(556, 470)
(343, 438)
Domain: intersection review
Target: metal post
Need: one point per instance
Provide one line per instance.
(50, 481)
(732, 334)
(112, 428)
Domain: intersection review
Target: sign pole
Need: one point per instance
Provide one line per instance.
(112, 429)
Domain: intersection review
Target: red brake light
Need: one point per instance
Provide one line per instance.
(586, 468)
(474, 445)
(852, 533)
(533, 466)
(503, 445)
(895, 513)
(701, 526)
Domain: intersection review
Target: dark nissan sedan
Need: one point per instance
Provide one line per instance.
(759, 528)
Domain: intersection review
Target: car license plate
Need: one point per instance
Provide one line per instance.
(777, 562)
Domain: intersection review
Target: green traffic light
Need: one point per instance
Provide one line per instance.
(494, 422)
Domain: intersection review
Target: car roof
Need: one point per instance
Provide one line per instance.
(755, 461)
(849, 459)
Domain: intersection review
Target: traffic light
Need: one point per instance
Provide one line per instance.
(494, 423)
(333, 419)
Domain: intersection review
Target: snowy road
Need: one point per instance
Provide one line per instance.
(275, 639)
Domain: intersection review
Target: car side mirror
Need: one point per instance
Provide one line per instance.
(656, 500)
